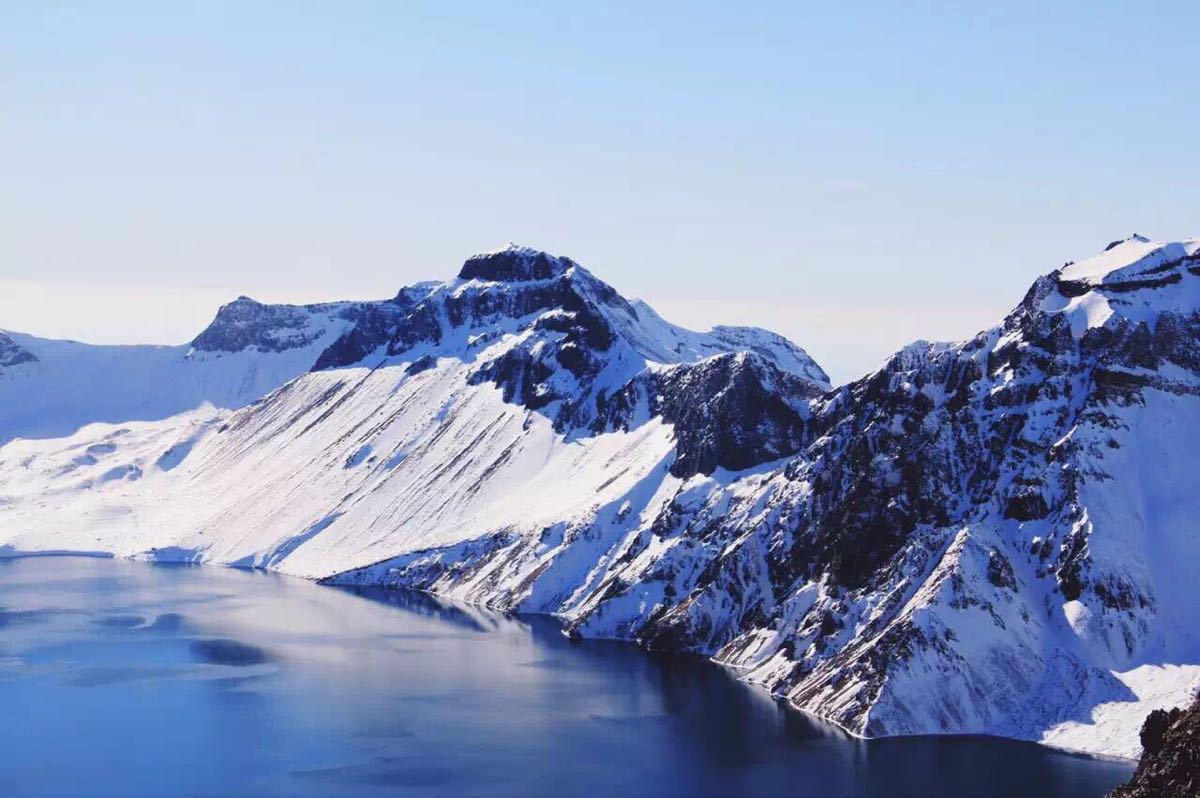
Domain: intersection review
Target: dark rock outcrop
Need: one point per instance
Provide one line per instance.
(374, 327)
(731, 411)
(514, 264)
(578, 358)
(1170, 765)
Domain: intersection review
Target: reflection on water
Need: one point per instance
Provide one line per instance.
(121, 678)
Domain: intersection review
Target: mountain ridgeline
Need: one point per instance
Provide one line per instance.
(582, 359)
(989, 536)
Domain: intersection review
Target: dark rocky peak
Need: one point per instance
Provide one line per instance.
(585, 362)
(519, 289)
(580, 354)
(505, 291)
(12, 354)
(513, 264)
(510, 290)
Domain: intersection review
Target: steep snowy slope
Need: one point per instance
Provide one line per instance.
(989, 536)
(51, 388)
(505, 401)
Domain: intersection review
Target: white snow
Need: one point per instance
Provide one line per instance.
(1113, 726)
(1134, 251)
(1133, 261)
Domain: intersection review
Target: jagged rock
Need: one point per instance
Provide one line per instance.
(514, 264)
(731, 411)
(374, 326)
(1170, 764)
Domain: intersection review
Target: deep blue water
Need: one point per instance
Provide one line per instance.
(128, 679)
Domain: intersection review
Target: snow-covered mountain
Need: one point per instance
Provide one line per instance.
(52, 388)
(515, 396)
(988, 536)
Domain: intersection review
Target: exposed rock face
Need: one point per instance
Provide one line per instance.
(372, 329)
(374, 324)
(514, 264)
(11, 354)
(1170, 765)
(581, 351)
(247, 324)
(731, 411)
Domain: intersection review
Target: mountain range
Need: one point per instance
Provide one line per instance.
(988, 536)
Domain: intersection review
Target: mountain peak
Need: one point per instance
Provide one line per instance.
(514, 263)
(1131, 257)
(1136, 237)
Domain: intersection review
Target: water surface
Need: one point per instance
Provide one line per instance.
(128, 679)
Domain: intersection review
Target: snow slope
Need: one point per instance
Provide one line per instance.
(991, 536)
(51, 388)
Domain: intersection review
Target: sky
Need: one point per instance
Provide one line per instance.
(854, 178)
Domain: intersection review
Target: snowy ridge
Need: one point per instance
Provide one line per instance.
(1112, 285)
(991, 536)
(51, 388)
(1136, 257)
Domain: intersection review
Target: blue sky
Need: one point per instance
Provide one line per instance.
(854, 178)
